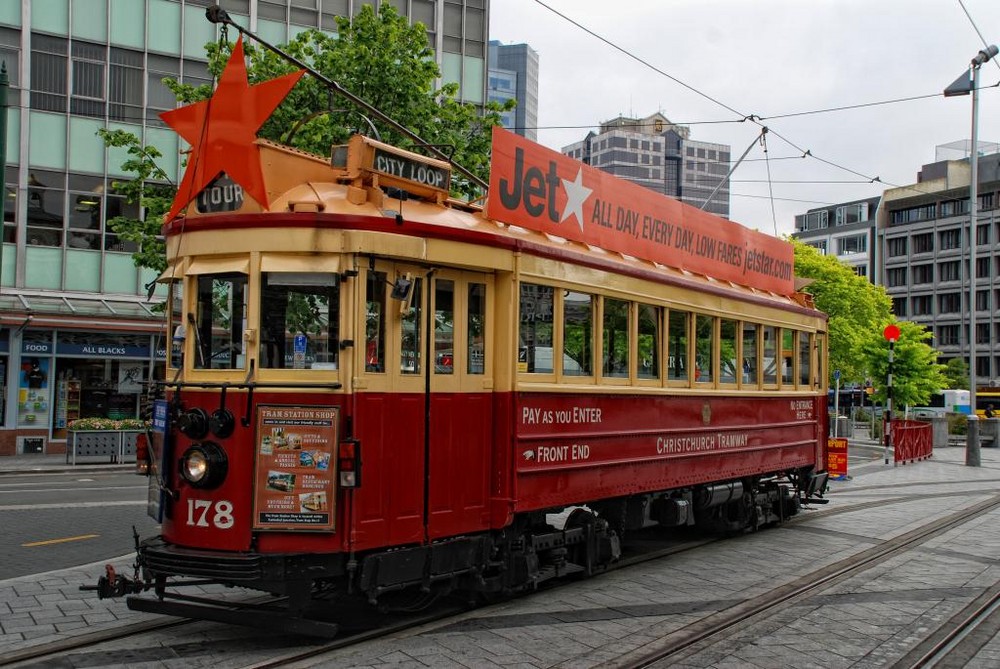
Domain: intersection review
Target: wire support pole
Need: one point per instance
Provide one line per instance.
(725, 180)
(888, 403)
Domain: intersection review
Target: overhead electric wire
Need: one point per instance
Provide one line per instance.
(976, 28)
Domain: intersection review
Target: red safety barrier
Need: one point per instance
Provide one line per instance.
(911, 440)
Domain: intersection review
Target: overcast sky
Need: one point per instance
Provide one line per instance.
(769, 58)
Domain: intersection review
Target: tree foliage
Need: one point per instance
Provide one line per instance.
(378, 57)
(856, 308)
(858, 313)
(956, 374)
(916, 373)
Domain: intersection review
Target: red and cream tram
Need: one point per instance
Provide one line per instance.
(375, 386)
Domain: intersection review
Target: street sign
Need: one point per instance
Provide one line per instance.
(891, 333)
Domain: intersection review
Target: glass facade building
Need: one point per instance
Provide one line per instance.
(513, 75)
(75, 312)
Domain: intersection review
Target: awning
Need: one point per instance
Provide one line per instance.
(240, 265)
(285, 262)
(173, 272)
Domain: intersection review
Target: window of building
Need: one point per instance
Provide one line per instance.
(986, 201)
(982, 300)
(982, 267)
(949, 303)
(950, 239)
(861, 270)
(925, 212)
(923, 243)
(896, 247)
(48, 73)
(923, 274)
(982, 333)
(899, 306)
(954, 208)
(851, 213)
(125, 82)
(983, 365)
(895, 276)
(922, 305)
(46, 207)
(87, 79)
(852, 244)
(948, 335)
(982, 234)
(948, 271)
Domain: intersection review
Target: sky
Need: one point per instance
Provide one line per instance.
(711, 63)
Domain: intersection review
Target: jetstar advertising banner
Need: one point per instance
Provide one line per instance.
(295, 468)
(538, 189)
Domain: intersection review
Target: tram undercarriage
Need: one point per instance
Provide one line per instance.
(517, 558)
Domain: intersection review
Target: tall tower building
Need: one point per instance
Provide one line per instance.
(513, 74)
(657, 154)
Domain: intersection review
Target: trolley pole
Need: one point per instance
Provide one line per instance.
(891, 333)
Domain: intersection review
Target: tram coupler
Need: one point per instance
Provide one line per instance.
(113, 584)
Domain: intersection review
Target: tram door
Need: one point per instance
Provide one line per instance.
(423, 404)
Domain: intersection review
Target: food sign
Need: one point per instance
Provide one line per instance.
(294, 475)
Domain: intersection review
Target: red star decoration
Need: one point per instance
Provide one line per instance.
(222, 130)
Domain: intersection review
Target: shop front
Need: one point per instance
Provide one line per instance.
(64, 375)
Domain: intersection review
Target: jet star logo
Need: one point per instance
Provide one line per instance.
(536, 190)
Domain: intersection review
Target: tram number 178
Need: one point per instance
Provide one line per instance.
(205, 513)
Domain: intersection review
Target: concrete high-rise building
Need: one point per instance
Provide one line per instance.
(78, 335)
(657, 154)
(914, 240)
(513, 75)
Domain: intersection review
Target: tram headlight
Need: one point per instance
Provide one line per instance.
(204, 465)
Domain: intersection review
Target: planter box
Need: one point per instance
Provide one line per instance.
(115, 445)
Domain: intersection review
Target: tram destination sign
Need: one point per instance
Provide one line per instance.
(539, 189)
(412, 172)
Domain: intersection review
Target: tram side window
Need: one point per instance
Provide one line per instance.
(536, 312)
(770, 334)
(375, 322)
(616, 338)
(704, 347)
(578, 334)
(444, 326)
(728, 363)
(677, 345)
(649, 341)
(220, 321)
(805, 359)
(787, 357)
(477, 329)
(411, 330)
(299, 320)
(751, 363)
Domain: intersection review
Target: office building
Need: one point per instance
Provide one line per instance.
(661, 156)
(845, 230)
(513, 75)
(78, 335)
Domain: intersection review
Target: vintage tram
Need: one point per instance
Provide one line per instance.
(374, 386)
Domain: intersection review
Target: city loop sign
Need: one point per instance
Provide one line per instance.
(539, 189)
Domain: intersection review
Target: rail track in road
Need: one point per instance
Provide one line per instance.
(103, 642)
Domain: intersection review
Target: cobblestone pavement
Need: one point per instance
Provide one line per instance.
(870, 620)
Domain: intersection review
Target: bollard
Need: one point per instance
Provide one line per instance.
(972, 455)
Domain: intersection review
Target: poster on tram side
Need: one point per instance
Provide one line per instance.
(836, 458)
(295, 466)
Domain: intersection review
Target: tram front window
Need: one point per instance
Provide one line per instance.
(299, 320)
(220, 320)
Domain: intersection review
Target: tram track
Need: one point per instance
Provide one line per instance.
(673, 647)
(640, 553)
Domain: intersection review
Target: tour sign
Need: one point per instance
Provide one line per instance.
(221, 195)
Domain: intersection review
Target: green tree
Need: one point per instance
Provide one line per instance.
(378, 57)
(856, 308)
(956, 374)
(916, 373)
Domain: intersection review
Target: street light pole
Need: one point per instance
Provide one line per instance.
(968, 83)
